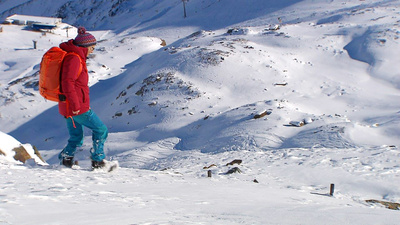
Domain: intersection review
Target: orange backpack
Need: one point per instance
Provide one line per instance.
(50, 74)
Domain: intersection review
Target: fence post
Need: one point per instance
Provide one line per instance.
(332, 189)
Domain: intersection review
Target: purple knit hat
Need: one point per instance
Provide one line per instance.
(84, 39)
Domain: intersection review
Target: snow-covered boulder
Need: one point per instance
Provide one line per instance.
(13, 150)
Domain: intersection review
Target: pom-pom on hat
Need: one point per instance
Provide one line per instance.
(84, 39)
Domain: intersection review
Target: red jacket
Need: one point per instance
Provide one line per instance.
(74, 87)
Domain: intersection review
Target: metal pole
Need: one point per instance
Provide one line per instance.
(184, 8)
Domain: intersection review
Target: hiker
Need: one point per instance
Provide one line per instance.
(75, 106)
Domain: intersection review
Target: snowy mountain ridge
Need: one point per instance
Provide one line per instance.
(303, 92)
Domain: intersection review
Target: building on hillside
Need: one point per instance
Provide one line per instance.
(29, 20)
(36, 22)
(43, 24)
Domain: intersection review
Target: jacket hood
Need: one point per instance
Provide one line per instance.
(70, 47)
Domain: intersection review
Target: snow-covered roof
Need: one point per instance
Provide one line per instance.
(26, 19)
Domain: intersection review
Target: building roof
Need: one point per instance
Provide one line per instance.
(35, 19)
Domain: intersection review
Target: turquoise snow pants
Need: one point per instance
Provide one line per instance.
(99, 135)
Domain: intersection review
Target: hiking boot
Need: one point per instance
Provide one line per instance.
(68, 161)
(98, 164)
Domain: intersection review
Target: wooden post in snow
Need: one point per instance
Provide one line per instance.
(332, 189)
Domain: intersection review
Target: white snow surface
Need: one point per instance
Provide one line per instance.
(174, 110)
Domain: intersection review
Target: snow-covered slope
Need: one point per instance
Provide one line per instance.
(330, 65)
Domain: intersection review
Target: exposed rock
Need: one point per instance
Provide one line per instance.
(132, 111)
(389, 205)
(280, 84)
(273, 27)
(236, 161)
(153, 103)
(262, 114)
(37, 153)
(297, 123)
(21, 154)
(212, 56)
(208, 167)
(238, 31)
(308, 120)
(234, 170)
(117, 114)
